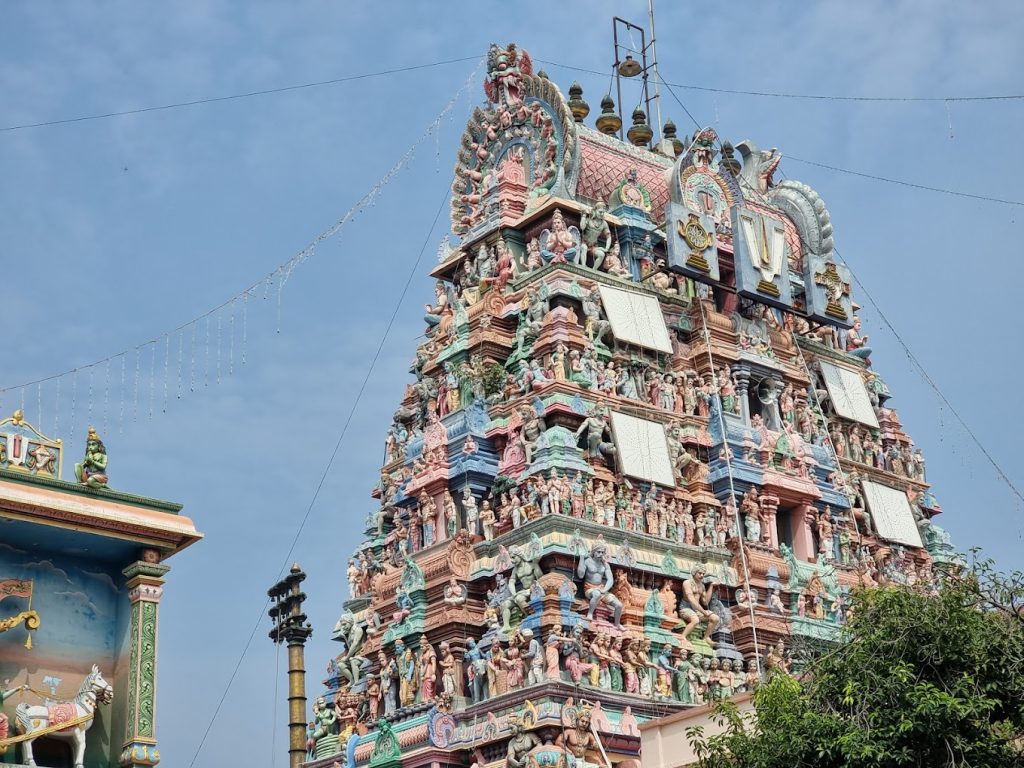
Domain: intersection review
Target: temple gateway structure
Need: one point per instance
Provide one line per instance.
(644, 453)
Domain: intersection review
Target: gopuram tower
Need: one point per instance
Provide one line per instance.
(644, 454)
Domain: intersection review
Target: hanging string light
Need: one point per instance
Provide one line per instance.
(275, 279)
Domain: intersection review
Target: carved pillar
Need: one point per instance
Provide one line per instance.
(769, 509)
(803, 539)
(297, 638)
(742, 377)
(145, 587)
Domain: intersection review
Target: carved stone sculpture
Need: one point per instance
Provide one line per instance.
(598, 581)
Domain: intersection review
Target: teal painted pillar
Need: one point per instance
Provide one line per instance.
(145, 587)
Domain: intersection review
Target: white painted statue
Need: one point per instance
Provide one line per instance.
(80, 712)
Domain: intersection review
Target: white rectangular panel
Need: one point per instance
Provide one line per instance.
(848, 393)
(890, 509)
(636, 318)
(642, 449)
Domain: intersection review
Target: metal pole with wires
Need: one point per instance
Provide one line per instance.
(654, 67)
(291, 627)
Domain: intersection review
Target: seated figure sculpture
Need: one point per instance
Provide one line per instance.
(694, 604)
(561, 243)
(598, 580)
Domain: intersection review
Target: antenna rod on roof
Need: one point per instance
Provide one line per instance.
(654, 66)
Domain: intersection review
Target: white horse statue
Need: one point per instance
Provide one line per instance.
(80, 711)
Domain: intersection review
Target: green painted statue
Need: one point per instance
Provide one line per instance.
(92, 471)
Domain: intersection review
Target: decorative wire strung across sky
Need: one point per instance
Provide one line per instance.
(172, 355)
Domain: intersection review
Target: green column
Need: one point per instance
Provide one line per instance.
(145, 587)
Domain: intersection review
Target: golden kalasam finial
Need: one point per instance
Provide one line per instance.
(18, 417)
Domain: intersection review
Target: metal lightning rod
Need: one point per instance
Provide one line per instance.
(654, 66)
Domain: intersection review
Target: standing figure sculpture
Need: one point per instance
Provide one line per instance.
(427, 670)
(525, 573)
(598, 580)
(594, 326)
(476, 671)
(388, 682)
(596, 236)
(449, 685)
(595, 425)
(92, 470)
(471, 511)
(407, 669)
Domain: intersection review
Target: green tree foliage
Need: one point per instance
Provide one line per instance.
(918, 679)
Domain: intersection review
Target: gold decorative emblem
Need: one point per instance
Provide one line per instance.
(699, 240)
(835, 288)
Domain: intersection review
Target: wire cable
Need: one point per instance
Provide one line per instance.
(284, 270)
(928, 379)
(808, 96)
(873, 177)
(910, 184)
(931, 383)
(396, 70)
(236, 96)
(327, 469)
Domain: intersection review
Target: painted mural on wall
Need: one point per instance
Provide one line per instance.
(81, 610)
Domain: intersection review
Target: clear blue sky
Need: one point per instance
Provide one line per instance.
(115, 230)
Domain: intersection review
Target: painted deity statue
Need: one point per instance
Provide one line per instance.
(579, 739)
(388, 682)
(596, 236)
(449, 685)
(613, 262)
(471, 511)
(559, 246)
(455, 593)
(476, 671)
(92, 470)
(525, 573)
(693, 606)
(349, 662)
(407, 668)
(598, 580)
(437, 311)
(427, 670)
(595, 426)
(856, 344)
(533, 657)
(520, 744)
(451, 514)
(594, 326)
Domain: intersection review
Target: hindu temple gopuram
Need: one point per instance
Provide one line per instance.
(643, 454)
